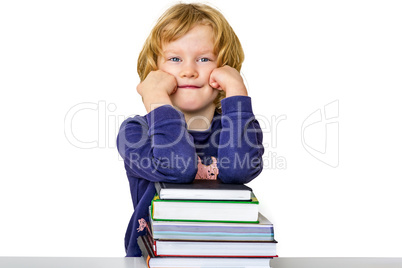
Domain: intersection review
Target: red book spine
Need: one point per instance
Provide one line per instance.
(218, 256)
(154, 248)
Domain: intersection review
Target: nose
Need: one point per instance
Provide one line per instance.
(189, 70)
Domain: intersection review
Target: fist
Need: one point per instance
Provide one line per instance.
(229, 80)
(157, 82)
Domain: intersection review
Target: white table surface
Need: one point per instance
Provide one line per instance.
(86, 262)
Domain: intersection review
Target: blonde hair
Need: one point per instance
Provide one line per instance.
(177, 21)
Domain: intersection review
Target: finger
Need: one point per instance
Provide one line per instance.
(215, 85)
(174, 90)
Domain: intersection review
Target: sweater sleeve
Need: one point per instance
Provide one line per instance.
(240, 145)
(158, 147)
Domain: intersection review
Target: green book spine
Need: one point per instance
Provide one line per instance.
(254, 200)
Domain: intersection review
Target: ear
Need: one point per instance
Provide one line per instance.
(199, 159)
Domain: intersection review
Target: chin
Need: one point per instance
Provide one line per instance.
(189, 108)
(192, 106)
(192, 103)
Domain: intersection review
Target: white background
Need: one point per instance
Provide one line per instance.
(59, 199)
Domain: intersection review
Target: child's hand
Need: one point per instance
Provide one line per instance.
(156, 88)
(157, 82)
(229, 80)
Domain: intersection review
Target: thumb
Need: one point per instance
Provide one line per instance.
(213, 83)
(212, 80)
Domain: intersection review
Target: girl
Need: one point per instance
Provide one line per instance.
(200, 123)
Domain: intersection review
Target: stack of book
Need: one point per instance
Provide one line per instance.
(207, 224)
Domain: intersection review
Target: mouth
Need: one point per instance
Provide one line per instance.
(189, 86)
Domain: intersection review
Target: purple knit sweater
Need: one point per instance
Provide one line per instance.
(158, 147)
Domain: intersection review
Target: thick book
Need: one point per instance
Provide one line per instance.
(203, 190)
(213, 231)
(153, 261)
(205, 210)
(179, 248)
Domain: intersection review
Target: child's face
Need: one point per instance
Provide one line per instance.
(191, 59)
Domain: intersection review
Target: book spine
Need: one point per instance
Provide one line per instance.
(151, 215)
(218, 221)
(218, 256)
(155, 248)
(147, 261)
(144, 249)
(252, 201)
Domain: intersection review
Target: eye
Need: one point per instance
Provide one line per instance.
(204, 60)
(174, 59)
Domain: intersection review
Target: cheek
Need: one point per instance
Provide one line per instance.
(163, 65)
(168, 69)
(211, 69)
